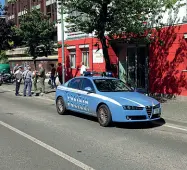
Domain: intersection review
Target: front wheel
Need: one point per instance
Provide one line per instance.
(104, 116)
(60, 105)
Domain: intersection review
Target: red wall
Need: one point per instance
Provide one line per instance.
(167, 62)
(98, 67)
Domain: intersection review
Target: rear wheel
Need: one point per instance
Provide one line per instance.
(104, 116)
(60, 105)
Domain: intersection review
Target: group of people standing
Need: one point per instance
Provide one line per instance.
(29, 78)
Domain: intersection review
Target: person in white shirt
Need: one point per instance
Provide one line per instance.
(15, 68)
(18, 76)
(83, 68)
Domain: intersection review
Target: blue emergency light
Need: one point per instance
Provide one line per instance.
(104, 74)
(88, 73)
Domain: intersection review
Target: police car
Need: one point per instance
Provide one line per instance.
(107, 98)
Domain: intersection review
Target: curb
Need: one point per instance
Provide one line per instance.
(37, 96)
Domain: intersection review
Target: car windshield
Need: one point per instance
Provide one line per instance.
(111, 85)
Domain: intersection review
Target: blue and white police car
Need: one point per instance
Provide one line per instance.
(107, 98)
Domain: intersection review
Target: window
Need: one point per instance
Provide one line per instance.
(85, 58)
(75, 83)
(111, 85)
(72, 59)
(87, 83)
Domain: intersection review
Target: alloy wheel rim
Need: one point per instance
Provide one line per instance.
(60, 105)
(103, 115)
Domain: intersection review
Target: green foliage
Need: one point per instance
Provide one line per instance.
(3, 57)
(37, 32)
(8, 38)
(116, 18)
(60, 45)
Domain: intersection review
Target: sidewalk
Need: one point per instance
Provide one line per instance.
(174, 110)
(50, 93)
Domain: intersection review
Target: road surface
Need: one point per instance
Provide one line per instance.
(34, 137)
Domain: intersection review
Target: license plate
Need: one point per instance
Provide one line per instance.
(157, 111)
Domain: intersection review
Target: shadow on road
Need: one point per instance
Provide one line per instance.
(51, 91)
(141, 125)
(4, 91)
(137, 125)
(82, 116)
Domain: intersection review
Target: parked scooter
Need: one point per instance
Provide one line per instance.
(7, 78)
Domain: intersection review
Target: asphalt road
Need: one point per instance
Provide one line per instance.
(34, 137)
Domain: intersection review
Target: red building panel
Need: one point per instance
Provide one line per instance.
(72, 72)
(167, 61)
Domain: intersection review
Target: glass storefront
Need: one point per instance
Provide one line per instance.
(133, 68)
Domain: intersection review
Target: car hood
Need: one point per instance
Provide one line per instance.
(131, 98)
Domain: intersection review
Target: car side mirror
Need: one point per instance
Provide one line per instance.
(88, 89)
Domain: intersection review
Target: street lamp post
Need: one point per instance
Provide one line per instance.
(62, 36)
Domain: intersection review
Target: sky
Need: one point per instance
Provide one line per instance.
(2, 2)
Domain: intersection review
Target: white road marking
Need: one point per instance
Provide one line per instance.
(175, 127)
(48, 147)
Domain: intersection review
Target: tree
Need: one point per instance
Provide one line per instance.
(8, 38)
(3, 57)
(7, 35)
(116, 18)
(37, 32)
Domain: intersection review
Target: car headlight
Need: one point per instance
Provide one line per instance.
(156, 106)
(132, 108)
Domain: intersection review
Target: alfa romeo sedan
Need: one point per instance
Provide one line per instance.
(109, 99)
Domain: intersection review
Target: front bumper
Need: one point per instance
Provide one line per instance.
(137, 115)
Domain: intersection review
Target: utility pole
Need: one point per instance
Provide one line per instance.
(62, 36)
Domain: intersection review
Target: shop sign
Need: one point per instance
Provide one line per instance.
(98, 56)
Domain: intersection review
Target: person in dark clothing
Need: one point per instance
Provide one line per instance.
(53, 76)
(35, 79)
(59, 72)
(41, 75)
(18, 76)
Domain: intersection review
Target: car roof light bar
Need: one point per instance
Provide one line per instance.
(92, 73)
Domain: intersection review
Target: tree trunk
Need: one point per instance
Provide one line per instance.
(105, 53)
(34, 60)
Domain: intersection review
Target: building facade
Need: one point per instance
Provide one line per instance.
(159, 67)
(17, 9)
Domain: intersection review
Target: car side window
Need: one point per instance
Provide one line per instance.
(87, 83)
(75, 83)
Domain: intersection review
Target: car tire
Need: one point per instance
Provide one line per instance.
(60, 106)
(104, 115)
